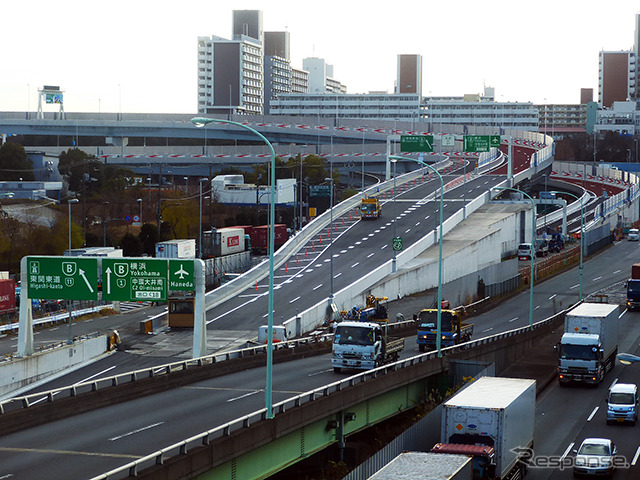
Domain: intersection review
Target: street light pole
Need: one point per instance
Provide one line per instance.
(72, 200)
(200, 240)
(393, 261)
(140, 205)
(202, 122)
(331, 241)
(581, 231)
(439, 317)
(533, 247)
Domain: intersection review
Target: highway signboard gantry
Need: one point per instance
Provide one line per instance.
(71, 278)
(480, 143)
(416, 143)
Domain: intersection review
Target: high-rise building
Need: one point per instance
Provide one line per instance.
(409, 78)
(321, 76)
(616, 77)
(586, 95)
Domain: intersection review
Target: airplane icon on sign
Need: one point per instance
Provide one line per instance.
(182, 272)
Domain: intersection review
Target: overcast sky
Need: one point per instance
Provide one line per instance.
(141, 56)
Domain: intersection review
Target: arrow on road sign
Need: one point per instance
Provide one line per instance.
(84, 277)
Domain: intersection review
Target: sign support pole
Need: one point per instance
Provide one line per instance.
(25, 328)
(199, 313)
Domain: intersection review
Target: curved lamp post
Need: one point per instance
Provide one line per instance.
(439, 317)
(581, 230)
(533, 248)
(201, 122)
(331, 243)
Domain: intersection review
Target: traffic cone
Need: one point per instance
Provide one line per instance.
(285, 268)
(297, 262)
(343, 221)
(256, 286)
(305, 253)
(335, 227)
(313, 246)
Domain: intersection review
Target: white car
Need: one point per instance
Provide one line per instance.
(595, 457)
(525, 250)
(634, 235)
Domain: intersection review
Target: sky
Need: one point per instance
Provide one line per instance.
(141, 55)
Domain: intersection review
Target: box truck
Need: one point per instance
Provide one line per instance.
(492, 420)
(223, 241)
(589, 345)
(633, 288)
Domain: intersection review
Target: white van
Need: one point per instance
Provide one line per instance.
(622, 405)
(525, 250)
(634, 235)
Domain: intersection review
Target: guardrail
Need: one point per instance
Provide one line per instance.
(204, 438)
(56, 318)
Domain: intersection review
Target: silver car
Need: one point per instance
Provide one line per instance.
(595, 457)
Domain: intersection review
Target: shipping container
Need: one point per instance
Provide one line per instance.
(426, 466)
(223, 241)
(260, 237)
(7, 296)
(493, 413)
(176, 249)
(635, 271)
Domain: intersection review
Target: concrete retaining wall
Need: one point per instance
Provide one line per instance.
(20, 374)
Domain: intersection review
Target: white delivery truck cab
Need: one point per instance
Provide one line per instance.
(622, 405)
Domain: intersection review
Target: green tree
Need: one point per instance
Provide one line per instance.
(131, 245)
(148, 238)
(14, 163)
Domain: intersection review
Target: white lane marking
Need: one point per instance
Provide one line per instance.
(358, 243)
(613, 383)
(566, 452)
(133, 432)
(487, 330)
(625, 311)
(635, 457)
(513, 319)
(370, 255)
(384, 246)
(315, 288)
(343, 251)
(592, 414)
(54, 328)
(537, 307)
(337, 275)
(297, 298)
(407, 230)
(417, 224)
(574, 286)
(617, 271)
(552, 296)
(355, 264)
(80, 381)
(596, 279)
(244, 396)
(320, 372)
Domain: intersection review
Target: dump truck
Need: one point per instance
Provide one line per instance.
(370, 207)
(452, 329)
(491, 420)
(363, 346)
(589, 345)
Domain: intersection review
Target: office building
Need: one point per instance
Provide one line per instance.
(586, 95)
(616, 77)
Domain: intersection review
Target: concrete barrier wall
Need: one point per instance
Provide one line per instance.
(20, 374)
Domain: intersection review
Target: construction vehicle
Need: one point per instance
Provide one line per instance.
(452, 329)
(370, 208)
(374, 311)
(363, 346)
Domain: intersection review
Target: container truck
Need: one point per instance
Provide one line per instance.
(426, 466)
(7, 296)
(633, 288)
(493, 421)
(176, 249)
(589, 345)
(370, 208)
(363, 346)
(260, 237)
(223, 241)
(452, 329)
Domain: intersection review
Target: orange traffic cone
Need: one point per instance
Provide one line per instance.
(256, 286)
(297, 262)
(285, 268)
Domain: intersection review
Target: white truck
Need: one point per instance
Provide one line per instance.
(589, 345)
(363, 346)
(426, 466)
(184, 248)
(492, 420)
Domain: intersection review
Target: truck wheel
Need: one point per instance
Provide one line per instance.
(337, 369)
(422, 348)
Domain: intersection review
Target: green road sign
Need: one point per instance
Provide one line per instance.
(416, 143)
(181, 275)
(480, 143)
(320, 191)
(70, 278)
(140, 279)
(397, 244)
